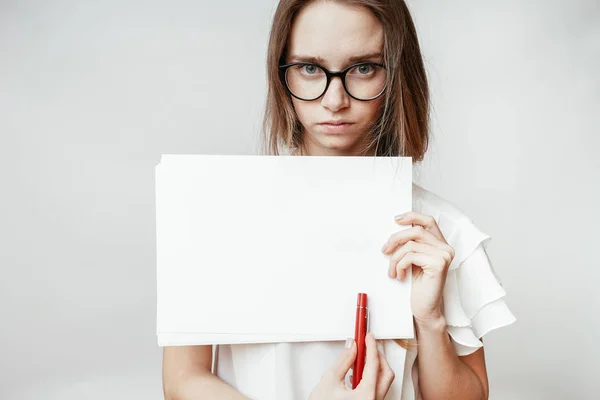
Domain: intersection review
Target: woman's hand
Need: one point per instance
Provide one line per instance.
(376, 381)
(424, 249)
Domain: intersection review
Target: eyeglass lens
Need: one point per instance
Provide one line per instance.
(308, 81)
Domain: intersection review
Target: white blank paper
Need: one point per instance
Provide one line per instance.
(276, 248)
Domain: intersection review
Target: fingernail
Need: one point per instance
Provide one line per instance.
(399, 217)
(384, 248)
(348, 343)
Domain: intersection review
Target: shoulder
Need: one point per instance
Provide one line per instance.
(427, 202)
(458, 229)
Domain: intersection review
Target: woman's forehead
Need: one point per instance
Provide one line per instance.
(335, 33)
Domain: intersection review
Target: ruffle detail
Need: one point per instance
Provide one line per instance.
(473, 295)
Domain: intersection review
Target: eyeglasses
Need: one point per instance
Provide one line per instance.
(308, 81)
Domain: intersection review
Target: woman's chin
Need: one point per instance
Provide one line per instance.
(345, 143)
(339, 144)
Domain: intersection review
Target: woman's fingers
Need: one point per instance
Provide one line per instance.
(426, 221)
(345, 361)
(400, 269)
(377, 375)
(429, 264)
(375, 383)
(368, 383)
(386, 377)
(416, 234)
(439, 257)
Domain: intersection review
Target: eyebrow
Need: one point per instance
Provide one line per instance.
(319, 60)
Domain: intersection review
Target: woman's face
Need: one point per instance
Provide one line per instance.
(335, 36)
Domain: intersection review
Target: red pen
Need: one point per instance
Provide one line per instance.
(360, 331)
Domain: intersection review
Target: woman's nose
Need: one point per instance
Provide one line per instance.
(335, 98)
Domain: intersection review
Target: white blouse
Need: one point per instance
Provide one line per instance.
(473, 306)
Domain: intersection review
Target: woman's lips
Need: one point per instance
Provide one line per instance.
(335, 127)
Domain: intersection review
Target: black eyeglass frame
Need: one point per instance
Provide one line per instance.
(329, 75)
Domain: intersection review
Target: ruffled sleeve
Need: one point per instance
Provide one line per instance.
(473, 295)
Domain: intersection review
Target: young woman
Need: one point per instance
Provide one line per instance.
(346, 78)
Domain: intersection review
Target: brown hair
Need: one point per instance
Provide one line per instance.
(402, 129)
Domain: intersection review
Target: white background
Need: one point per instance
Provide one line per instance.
(91, 93)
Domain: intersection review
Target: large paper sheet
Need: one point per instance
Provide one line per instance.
(276, 248)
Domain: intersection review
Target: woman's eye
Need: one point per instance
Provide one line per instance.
(310, 69)
(364, 69)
